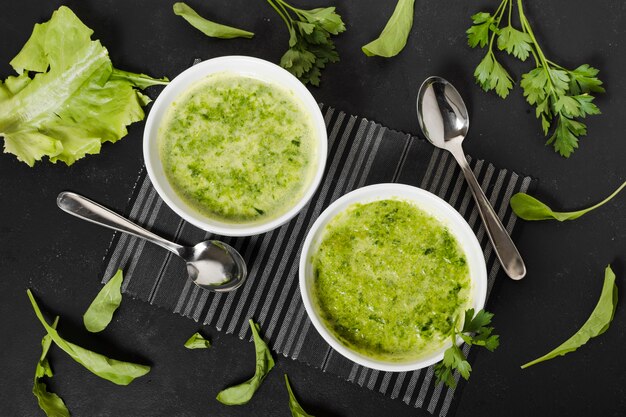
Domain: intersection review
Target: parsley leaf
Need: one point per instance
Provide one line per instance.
(561, 96)
(475, 331)
(310, 45)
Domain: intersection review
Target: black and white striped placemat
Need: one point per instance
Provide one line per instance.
(361, 152)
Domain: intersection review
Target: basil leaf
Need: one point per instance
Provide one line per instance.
(100, 312)
(294, 406)
(595, 325)
(118, 372)
(49, 402)
(242, 393)
(197, 341)
(396, 32)
(529, 208)
(212, 29)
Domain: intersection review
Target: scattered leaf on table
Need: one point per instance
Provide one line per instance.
(209, 28)
(118, 372)
(294, 406)
(72, 104)
(197, 341)
(596, 324)
(100, 312)
(529, 208)
(242, 393)
(48, 401)
(396, 32)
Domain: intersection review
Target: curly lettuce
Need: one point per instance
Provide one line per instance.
(67, 99)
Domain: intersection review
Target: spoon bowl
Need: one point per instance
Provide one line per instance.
(444, 120)
(212, 265)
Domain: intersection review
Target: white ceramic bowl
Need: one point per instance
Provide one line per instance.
(431, 204)
(248, 66)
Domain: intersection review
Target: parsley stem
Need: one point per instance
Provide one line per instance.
(280, 13)
(499, 13)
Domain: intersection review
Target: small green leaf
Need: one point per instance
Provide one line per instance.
(197, 341)
(138, 80)
(490, 75)
(294, 406)
(597, 323)
(529, 208)
(100, 312)
(209, 28)
(242, 393)
(394, 36)
(584, 80)
(515, 42)
(49, 402)
(478, 34)
(118, 372)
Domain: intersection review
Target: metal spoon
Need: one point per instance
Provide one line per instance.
(211, 264)
(444, 120)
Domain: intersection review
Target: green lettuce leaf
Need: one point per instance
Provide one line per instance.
(100, 311)
(65, 103)
(49, 402)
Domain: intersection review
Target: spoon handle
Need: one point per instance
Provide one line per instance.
(505, 249)
(85, 209)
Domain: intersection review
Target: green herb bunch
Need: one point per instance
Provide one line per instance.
(310, 43)
(475, 331)
(561, 97)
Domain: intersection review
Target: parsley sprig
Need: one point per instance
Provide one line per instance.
(310, 43)
(475, 331)
(562, 97)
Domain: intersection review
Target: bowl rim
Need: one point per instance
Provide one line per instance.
(194, 74)
(448, 214)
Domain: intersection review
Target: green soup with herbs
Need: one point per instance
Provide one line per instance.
(238, 149)
(390, 280)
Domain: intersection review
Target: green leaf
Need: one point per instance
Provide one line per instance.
(529, 208)
(565, 136)
(242, 393)
(49, 402)
(597, 323)
(490, 75)
(474, 323)
(294, 406)
(515, 42)
(118, 372)
(445, 375)
(138, 80)
(394, 36)
(326, 18)
(71, 105)
(209, 28)
(197, 341)
(534, 84)
(584, 80)
(100, 312)
(297, 61)
(478, 34)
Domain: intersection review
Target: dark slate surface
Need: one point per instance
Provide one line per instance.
(59, 257)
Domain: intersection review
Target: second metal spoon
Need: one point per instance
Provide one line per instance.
(211, 264)
(444, 120)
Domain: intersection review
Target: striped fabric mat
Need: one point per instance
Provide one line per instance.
(361, 152)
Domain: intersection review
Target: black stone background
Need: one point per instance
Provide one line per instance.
(59, 256)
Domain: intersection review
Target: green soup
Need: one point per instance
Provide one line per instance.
(238, 149)
(390, 280)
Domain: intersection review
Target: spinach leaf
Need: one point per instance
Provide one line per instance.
(100, 312)
(294, 406)
(529, 208)
(595, 325)
(65, 103)
(49, 402)
(197, 341)
(118, 372)
(242, 393)
(212, 29)
(396, 32)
